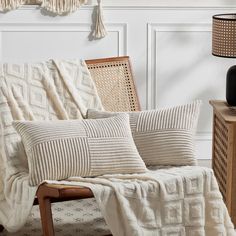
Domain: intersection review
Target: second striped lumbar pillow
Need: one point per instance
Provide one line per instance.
(165, 136)
(59, 149)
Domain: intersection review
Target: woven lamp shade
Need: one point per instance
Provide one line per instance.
(224, 35)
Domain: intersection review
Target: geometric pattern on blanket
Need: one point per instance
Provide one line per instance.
(48, 90)
(44, 91)
(83, 217)
(182, 201)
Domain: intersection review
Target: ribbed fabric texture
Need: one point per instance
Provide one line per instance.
(163, 137)
(59, 149)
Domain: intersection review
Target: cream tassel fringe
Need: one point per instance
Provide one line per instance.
(99, 29)
(61, 7)
(7, 5)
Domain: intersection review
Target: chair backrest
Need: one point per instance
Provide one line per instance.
(114, 80)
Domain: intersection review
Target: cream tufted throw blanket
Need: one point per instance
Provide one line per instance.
(170, 201)
(47, 90)
(183, 201)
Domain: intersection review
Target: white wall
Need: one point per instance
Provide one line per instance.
(169, 43)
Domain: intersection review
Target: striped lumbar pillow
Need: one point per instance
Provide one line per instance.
(60, 149)
(163, 137)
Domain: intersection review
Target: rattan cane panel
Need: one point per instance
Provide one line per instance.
(115, 85)
(224, 38)
(220, 154)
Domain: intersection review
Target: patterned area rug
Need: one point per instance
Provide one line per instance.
(81, 217)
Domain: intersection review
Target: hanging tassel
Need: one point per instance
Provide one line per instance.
(7, 5)
(61, 7)
(99, 29)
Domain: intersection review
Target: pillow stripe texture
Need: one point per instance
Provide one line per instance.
(165, 136)
(60, 149)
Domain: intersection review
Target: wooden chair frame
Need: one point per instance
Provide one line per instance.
(48, 193)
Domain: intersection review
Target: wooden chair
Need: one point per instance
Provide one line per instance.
(115, 85)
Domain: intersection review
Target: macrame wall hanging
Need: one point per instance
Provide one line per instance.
(61, 7)
(7, 5)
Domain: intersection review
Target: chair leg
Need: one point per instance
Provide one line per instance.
(46, 216)
(1, 228)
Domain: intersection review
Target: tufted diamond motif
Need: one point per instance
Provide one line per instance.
(15, 70)
(38, 97)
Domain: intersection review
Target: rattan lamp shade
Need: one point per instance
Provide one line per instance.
(224, 35)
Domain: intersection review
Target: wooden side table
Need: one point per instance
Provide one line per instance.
(224, 153)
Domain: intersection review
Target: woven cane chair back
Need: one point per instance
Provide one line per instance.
(115, 85)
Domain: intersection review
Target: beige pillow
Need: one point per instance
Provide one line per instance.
(165, 136)
(59, 149)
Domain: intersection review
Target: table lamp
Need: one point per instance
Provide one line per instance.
(224, 45)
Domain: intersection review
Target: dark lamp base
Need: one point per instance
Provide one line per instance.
(231, 86)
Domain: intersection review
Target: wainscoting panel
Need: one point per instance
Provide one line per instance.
(169, 43)
(38, 41)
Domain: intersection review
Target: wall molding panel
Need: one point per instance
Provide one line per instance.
(152, 66)
(203, 139)
(120, 29)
